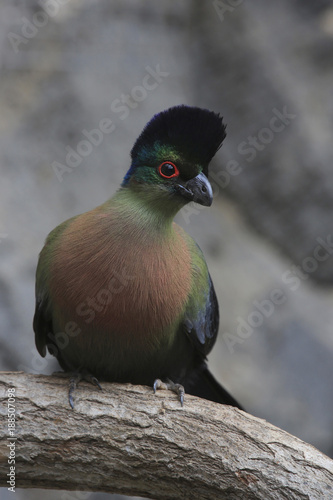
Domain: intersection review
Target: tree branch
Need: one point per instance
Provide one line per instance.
(126, 440)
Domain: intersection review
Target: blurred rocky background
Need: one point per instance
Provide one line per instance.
(68, 65)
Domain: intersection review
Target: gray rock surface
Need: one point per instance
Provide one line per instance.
(272, 179)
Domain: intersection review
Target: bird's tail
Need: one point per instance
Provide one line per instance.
(204, 385)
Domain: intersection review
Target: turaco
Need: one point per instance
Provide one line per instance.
(123, 293)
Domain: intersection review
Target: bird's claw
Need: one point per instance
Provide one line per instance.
(94, 381)
(76, 379)
(171, 386)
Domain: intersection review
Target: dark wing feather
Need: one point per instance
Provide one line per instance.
(42, 324)
(202, 329)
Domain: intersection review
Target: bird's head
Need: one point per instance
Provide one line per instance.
(170, 158)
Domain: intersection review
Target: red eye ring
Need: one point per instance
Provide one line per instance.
(174, 172)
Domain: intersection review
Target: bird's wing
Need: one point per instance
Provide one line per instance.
(201, 318)
(201, 323)
(42, 322)
(202, 327)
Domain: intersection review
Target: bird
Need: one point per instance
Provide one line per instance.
(123, 293)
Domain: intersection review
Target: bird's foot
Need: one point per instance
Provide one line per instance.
(171, 386)
(74, 381)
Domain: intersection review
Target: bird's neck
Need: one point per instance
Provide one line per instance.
(145, 209)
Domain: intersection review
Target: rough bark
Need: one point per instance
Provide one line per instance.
(126, 440)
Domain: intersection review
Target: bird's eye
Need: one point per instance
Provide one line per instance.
(167, 169)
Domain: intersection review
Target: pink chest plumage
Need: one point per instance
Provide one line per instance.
(118, 280)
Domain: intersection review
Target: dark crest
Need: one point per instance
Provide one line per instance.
(197, 133)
